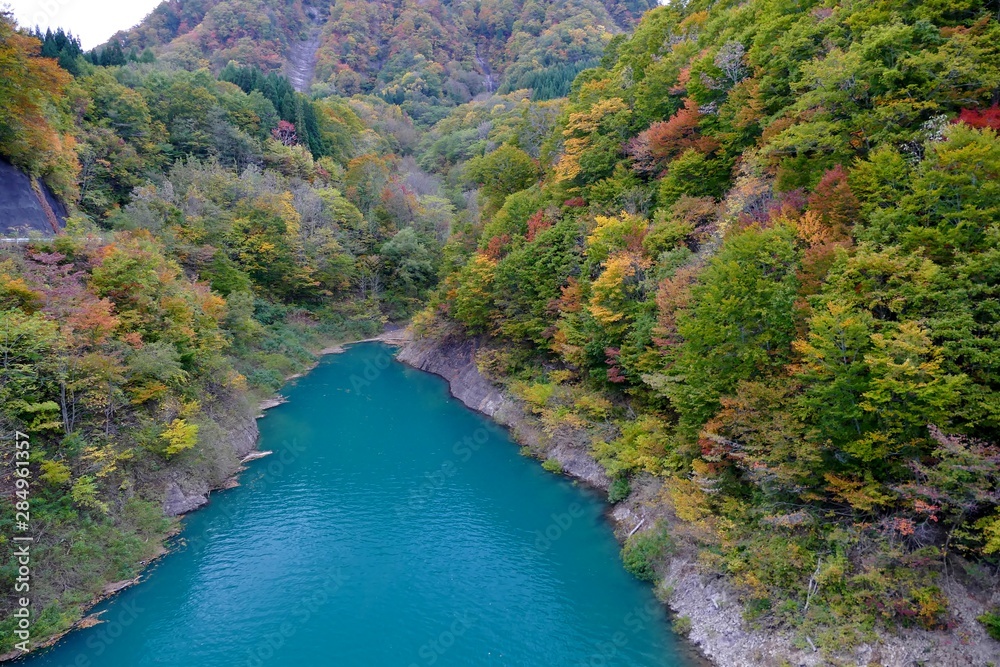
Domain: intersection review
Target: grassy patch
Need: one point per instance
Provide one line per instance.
(553, 465)
(991, 621)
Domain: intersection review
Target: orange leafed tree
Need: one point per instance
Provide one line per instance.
(664, 141)
(30, 90)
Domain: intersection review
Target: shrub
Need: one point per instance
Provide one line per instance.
(593, 406)
(536, 395)
(265, 379)
(642, 550)
(756, 608)
(991, 621)
(180, 436)
(620, 488)
(553, 466)
(682, 625)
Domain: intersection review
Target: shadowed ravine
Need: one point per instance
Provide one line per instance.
(391, 527)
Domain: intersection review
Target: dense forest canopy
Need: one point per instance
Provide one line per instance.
(749, 252)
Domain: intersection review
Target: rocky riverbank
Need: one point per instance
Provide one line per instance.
(717, 624)
(186, 491)
(231, 444)
(454, 360)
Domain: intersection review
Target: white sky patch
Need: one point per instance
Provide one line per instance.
(93, 21)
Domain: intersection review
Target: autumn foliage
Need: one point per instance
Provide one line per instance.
(32, 131)
(981, 118)
(749, 263)
(663, 141)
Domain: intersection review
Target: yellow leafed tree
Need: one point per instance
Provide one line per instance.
(180, 436)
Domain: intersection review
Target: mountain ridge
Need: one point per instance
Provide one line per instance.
(420, 54)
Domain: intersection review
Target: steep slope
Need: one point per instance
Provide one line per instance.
(805, 278)
(304, 54)
(214, 247)
(199, 33)
(27, 207)
(170, 20)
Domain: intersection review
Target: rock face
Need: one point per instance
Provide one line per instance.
(186, 493)
(454, 360)
(26, 208)
(243, 435)
(178, 500)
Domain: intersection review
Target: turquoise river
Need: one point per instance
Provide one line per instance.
(392, 527)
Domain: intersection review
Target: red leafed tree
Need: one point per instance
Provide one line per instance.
(285, 133)
(615, 373)
(497, 247)
(86, 320)
(835, 203)
(571, 300)
(981, 118)
(537, 223)
(664, 141)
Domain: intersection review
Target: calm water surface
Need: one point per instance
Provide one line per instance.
(391, 527)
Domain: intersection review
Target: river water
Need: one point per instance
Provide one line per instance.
(392, 527)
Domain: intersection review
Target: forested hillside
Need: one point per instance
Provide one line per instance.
(747, 254)
(757, 263)
(424, 55)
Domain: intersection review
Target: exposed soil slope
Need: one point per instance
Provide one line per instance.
(303, 56)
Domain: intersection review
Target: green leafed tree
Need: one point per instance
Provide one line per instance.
(503, 172)
(740, 324)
